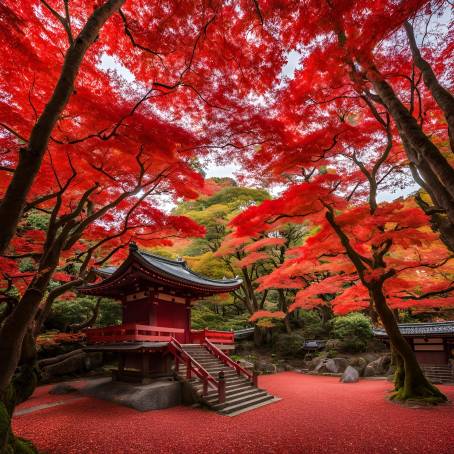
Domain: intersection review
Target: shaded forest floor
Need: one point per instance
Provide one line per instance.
(316, 415)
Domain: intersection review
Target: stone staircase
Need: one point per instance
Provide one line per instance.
(240, 394)
(439, 373)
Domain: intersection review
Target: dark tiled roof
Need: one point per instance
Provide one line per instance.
(176, 270)
(421, 329)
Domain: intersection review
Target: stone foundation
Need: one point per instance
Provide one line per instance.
(142, 397)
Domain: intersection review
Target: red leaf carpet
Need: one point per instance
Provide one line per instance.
(315, 415)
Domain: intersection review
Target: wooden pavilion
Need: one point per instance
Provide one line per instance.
(155, 338)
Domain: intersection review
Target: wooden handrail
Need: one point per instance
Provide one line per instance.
(193, 366)
(132, 332)
(229, 362)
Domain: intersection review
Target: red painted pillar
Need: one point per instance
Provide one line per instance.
(187, 328)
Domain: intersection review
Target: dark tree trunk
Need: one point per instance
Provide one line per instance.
(20, 389)
(410, 130)
(283, 307)
(30, 157)
(443, 97)
(414, 384)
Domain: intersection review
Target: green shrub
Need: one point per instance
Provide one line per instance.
(77, 310)
(203, 317)
(311, 325)
(288, 344)
(354, 330)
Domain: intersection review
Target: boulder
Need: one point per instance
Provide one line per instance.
(246, 364)
(62, 388)
(80, 362)
(378, 367)
(265, 367)
(313, 363)
(341, 364)
(359, 364)
(350, 375)
(327, 366)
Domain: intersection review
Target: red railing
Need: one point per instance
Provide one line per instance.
(133, 332)
(218, 337)
(193, 367)
(215, 351)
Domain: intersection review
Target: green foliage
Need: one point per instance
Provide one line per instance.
(354, 330)
(312, 325)
(26, 264)
(209, 265)
(288, 344)
(204, 317)
(77, 310)
(37, 220)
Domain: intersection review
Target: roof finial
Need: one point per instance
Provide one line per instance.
(133, 246)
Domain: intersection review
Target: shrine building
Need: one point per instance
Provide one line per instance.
(155, 338)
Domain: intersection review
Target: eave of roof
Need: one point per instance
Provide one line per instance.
(421, 329)
(165, 271)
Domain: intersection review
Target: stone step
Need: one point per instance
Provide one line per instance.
(251, 403)
(236, 400)
(232, 386)
(231, 391)
(236, 396)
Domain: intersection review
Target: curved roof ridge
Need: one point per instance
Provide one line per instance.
(182, 263)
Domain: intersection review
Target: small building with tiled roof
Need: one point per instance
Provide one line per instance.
(433, 342)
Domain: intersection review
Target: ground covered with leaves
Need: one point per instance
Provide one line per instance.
(316, 415)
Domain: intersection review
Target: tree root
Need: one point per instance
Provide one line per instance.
(424, 394)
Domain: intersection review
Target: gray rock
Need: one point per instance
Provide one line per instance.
(378, 367)
(312, 364)
(62, 388)
(359, 364)
(327, 366)
(350, 375)
(341, 364)
(245, 364)
(265, 367)
(74, 363)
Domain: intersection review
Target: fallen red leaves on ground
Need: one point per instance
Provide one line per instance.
(316, 415)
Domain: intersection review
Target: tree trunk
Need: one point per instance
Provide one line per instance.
(410, 130)
(21, 388)
(15, 327)
(90, 321)
(414, 384)
(30, 157)
(283, 308)
(443, 97)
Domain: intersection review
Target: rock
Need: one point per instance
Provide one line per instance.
(359, 364)
(245, 364)
(350, 375)
(265, 367)
(79, 362)
(327, 366)
(341, 364)
(378, 367)
(313, 363)
(62, 388)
